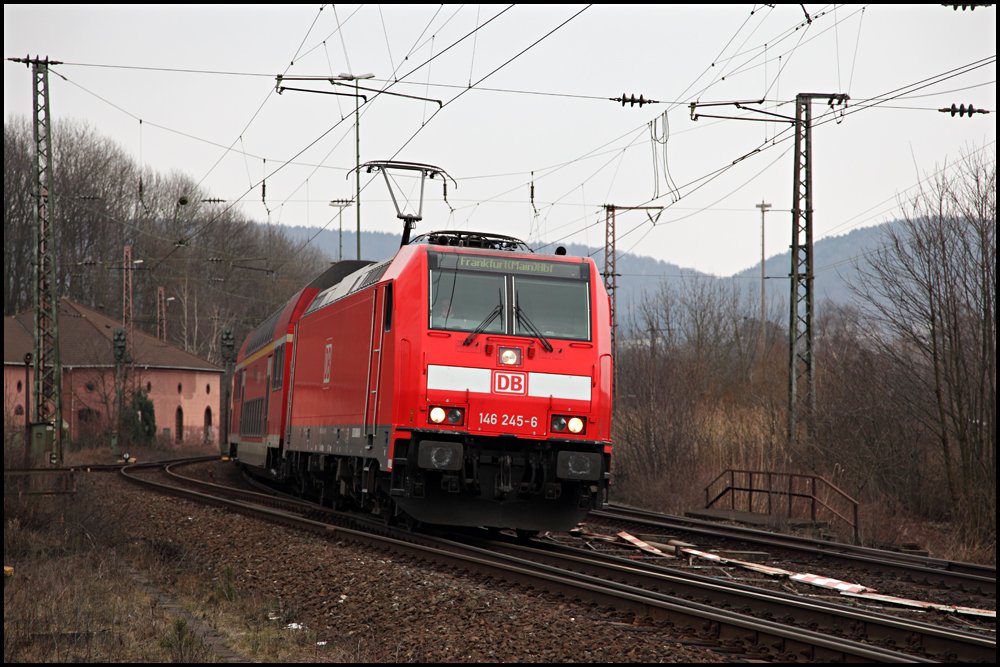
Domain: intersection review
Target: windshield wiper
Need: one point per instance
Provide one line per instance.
(497, 310)
(521, 316)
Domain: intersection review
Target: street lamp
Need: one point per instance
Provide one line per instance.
(161, 312)
(763, 206)
(334, 80)
(357, 143)
(341, 204)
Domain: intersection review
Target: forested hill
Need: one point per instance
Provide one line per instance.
(835, 260)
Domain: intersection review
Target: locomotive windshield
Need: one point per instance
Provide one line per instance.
(462, 301)
(517, 297)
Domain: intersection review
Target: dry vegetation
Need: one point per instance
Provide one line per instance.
(220, 576)
(906, 419)
(905, 383)
(223, 270)
(81, 591)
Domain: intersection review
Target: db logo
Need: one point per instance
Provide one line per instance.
(510, 383)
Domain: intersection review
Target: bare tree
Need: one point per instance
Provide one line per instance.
(224, 269)
(695, 392)
(18, 216)
(931, 290)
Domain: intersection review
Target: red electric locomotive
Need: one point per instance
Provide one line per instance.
(466, 381)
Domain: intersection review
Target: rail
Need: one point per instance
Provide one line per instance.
(783, 494)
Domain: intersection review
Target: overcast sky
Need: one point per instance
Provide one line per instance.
(525, 99)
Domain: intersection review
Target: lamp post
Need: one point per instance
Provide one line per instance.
(162, 300)
(357, 140)
(357, 149)
(334, 80)
(763, 311)
(341, 204)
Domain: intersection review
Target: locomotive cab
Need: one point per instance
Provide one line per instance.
(512, 420)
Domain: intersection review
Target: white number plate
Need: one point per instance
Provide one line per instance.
(504, 419)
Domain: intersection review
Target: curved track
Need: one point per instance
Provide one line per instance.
(752, 623)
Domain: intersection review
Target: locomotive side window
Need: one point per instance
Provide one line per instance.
(464, 301)
(387, 317)
(558, 308)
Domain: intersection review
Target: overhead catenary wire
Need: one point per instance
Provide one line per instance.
(280, 167)
(923, 83)
(540, 174)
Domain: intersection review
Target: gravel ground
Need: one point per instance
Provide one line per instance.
(362, 605)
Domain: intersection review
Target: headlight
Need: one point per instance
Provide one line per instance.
(454, 416)
(510, 356)
(574, 425)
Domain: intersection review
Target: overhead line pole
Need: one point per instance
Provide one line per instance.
(610, 260)
(48, 368)
(801, 361)
(801, 365)
(341, 204)
(357, 156)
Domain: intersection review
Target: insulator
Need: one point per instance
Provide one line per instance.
(633, 100)
(962, 110)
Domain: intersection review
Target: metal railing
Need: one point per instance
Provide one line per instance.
(781, 494)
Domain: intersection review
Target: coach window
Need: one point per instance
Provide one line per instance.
(279, 367)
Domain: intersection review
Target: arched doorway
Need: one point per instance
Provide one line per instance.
(208, 425)
(179, 425)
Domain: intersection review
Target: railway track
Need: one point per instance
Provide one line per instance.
(948, 575)
(736, 619)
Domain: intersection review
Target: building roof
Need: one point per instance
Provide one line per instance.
(85, 339)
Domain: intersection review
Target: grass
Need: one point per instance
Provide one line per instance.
(84, 591)
(70, 598)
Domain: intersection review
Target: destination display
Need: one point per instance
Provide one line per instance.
(507, 265)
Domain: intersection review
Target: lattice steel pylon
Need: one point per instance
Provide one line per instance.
(801, 366)
(48, 370)
(610, 261)
(610, 272)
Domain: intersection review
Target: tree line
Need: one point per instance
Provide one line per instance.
(219, 268)
(905, 377)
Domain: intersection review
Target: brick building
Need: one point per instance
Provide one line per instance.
(185, 389)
